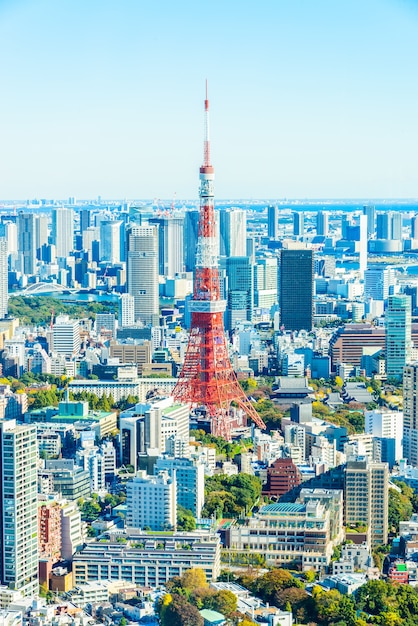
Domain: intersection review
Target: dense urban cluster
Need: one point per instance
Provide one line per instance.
(118, 503)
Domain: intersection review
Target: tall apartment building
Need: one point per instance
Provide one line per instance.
(142, 271)
(190, 478)
(151, 501)
(19, 509)
(366, 497)
(49, 531)
(410, 413)
(62, 232)
(398, 335)
(66, 336)
(126, 310)
(296, 281)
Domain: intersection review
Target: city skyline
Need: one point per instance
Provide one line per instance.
(308, 101)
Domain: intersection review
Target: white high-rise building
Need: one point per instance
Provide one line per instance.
(66, 336)
(170, 245)
(151, 501)
(142, 272)
(190, 477)
(378, 281)
(62, 232)
(110, 241)
(386, 424)
(19, 507)
(233, 231)
(126, 310)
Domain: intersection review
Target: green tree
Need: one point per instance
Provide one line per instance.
(179, 612)
(185, 519)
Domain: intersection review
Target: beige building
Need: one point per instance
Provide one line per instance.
(367, 498)
(301, 534)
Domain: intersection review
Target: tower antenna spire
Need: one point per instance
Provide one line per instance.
(207, 379)
(206, 147)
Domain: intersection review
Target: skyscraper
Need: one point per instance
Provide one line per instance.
(240, 300)
(142, 271)
(170, 245)
(370, 212)
(322, 223)
(190, 233)
(26, 227)
(363, 244)
(410, 413)
(298, 223)
(296, 281)
(265, 283)
(398, 335)
(233, 232)
(273, 222)
(378, 281)
(3, 272)
(111, 236)
(19, 510)
(62, 232)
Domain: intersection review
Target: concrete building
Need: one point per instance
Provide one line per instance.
(318, 518)
(190, 479)
(19, 511)
(126, 310)
(142, 271)
(366, 498)
(49, 531)
(386, 424)
(66, 336)
(149, 560)
(148, 427)
(282, 476)
(151, 501)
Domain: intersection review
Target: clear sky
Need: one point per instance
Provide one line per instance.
(309, 98)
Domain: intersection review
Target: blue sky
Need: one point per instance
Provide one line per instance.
(309, 98)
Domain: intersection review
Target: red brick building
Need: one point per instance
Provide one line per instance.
(282, 476)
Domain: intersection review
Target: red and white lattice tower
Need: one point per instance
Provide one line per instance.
(207, 378)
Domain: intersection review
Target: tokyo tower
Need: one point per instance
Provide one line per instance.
(207, 378)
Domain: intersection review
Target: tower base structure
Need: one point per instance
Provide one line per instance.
(207, 378)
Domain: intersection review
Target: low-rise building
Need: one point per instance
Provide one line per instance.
(147, 559)
(302, 533)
